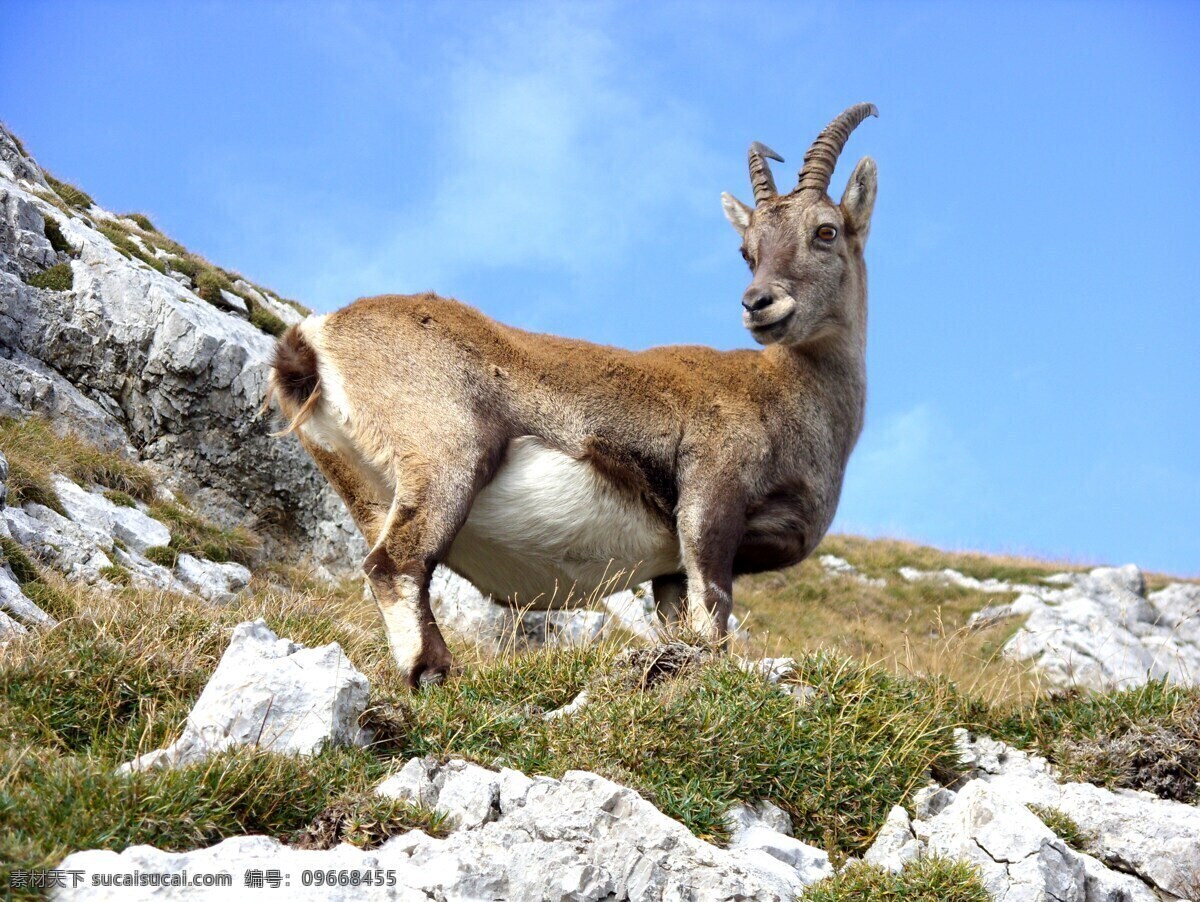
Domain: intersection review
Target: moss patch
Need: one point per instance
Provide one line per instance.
(265, 320)
(142, 220)
(192, 534)
(930, 879)
(55, 236)
(59, 277)
(122, 242)
(71, 195)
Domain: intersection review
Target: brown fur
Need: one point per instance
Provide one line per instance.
(739, 454)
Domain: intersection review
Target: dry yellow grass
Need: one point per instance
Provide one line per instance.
(911, 628)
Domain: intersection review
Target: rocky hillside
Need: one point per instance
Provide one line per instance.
(109, 327)
(189, 692)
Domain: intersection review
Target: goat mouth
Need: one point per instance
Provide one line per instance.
(771, 330)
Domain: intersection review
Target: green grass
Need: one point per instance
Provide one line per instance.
(883, 557)
(33, 582)
(192, 534)
(35, 452)
(55, 236)
(1064, 827)
(209, 285)
(699, 743)
(122, 242)
(189, 266)
(265, 320)
(142, 220)
(115, 573)
(930, 879)
(1143, 738)
(367, 820)
(163, 555)
(118, 680)
(119, 498)
(71, 195)
(49, 808)
(59, 277)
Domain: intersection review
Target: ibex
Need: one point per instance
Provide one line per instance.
(531, 464)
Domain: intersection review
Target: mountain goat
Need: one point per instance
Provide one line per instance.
(531, 464)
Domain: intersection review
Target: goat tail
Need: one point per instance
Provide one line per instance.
(295, 379)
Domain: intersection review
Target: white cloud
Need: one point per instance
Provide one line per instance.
(548, 154)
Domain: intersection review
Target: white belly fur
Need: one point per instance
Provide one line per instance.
(549, 530)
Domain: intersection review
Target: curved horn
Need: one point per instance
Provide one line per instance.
(760, 172)
(822, 156)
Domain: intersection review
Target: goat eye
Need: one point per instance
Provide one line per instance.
(746, 257)
(826, 233)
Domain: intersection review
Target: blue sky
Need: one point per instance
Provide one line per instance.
(1034, 350)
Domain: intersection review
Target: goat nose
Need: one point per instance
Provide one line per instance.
(755, 301)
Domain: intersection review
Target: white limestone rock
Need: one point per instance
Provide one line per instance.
(9, 627)
(25, 248)
(19, 611)
(105, 520)
(467, 794)
(838, 566)
(581, 701)
(464, 610)
(579, 838)
(63, 544)
(773, 670)
(744, 816)
(271, 693)
(895, 845)
(29, 385)
(212, 581)
(1020, 859)
(633, 610)
(1136, 832)
(952, 577)
(233, 302)
(1102, 632)
(559, 629)
(931, 800)
(762, 832)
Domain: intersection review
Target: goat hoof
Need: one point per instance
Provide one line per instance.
(430, 676)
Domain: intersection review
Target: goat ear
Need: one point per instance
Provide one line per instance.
(736, 212)
(859, 199)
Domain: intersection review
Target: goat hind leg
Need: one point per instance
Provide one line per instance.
(668, 594)
(426, 514)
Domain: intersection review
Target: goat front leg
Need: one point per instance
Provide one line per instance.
(711, 523)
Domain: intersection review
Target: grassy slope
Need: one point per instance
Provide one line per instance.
(907, 627)
(119, 674)
(136, 238)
